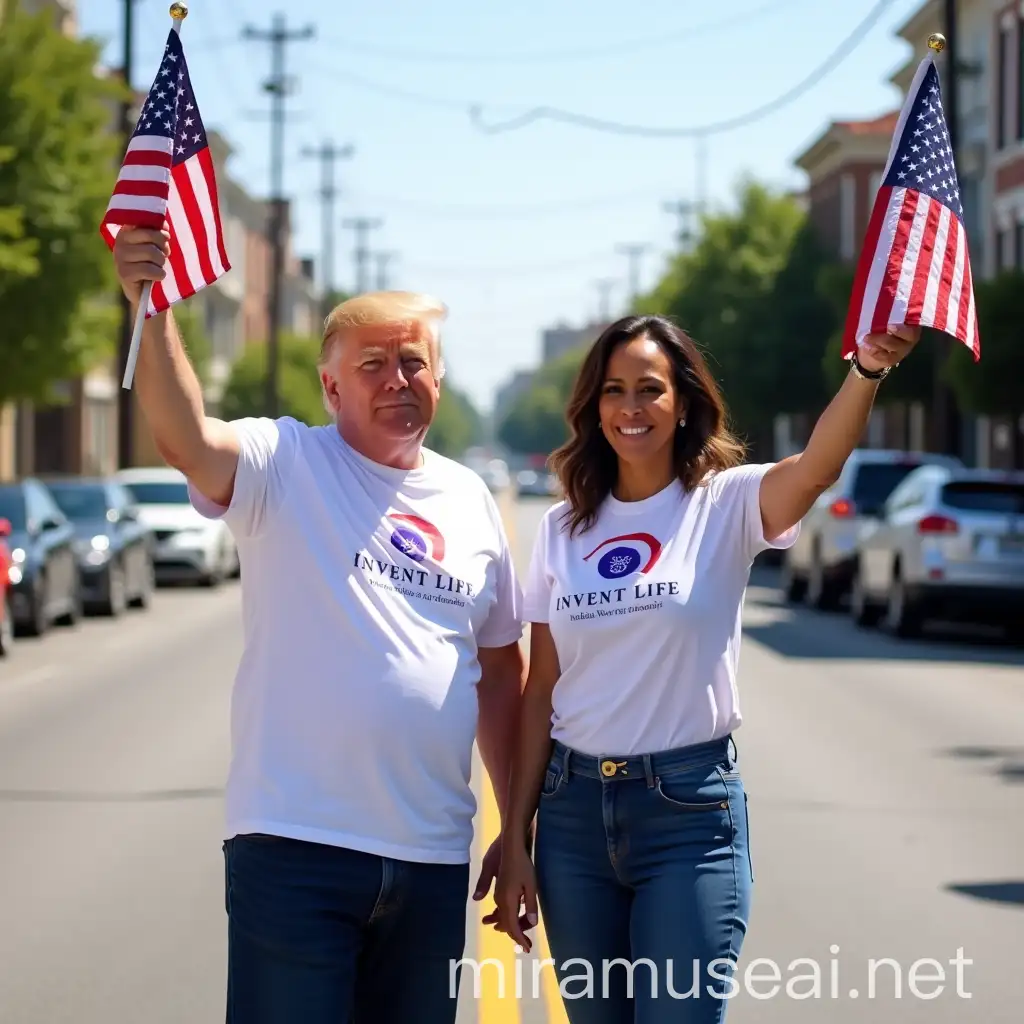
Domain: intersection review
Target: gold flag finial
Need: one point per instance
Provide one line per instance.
(937, 42)
(179, 11)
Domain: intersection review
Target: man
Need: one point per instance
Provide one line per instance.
(382, 622)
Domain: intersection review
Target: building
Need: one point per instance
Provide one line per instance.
(556, 341)
(990, 157)
(506, 396)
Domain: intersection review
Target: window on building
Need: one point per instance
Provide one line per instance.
(1018, 246)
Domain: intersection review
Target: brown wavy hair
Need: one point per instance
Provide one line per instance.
(587, 465)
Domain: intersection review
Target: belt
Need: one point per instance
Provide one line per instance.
(644, 766)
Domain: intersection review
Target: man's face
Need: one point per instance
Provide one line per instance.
(383, 384)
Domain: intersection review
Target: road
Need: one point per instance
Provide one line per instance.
(886, 785)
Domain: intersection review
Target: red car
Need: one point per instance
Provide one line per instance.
(6, 565)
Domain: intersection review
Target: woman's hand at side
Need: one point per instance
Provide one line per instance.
(515, 894)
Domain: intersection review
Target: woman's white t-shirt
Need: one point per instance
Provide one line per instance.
(645, 612)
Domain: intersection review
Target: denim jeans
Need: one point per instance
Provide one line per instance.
(324, 935)
(644, 882)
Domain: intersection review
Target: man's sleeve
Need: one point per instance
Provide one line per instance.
(504, 623)
(267, 453)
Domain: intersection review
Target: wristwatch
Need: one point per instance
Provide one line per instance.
(876, 375)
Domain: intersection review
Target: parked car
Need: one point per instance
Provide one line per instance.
(949, 543)
(115, 559)
(819, 566)
(531, 484)
(187, 547)
(6, 615)
(46, 587)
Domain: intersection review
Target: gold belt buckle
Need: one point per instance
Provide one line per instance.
(609, 768)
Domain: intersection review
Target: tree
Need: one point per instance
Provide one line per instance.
(299, 391)
(738, 295)
(59, 157)
(536, 424)
(457, 424)
(994, 386)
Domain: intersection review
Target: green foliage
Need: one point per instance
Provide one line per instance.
(742, 293)
(536, 424)
(994, 386)
(457, 424)
(299, 391)
(58, 160)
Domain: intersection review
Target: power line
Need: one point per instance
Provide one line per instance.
(327, 154)
(834, 59)
(362, 226)
(621, 47)
(278, 85)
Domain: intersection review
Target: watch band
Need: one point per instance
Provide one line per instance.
(876, 375)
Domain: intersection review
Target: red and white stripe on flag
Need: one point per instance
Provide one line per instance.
(918, 271)
(915, 268)
(150, 193)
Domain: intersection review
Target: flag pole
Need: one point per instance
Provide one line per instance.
(178, 12)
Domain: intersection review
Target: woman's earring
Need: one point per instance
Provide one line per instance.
(682, 422)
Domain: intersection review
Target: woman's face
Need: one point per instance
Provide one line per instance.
(639, 408)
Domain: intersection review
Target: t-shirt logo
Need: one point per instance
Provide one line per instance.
(629, 553)
(416, 538)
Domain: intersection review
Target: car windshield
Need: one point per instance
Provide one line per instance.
(164, 492)
(875, 481)
(80, 501)
(12, 507)
(979, 496)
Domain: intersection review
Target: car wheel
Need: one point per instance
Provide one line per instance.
(6, 629)
(902, 615)
(862, 610)
(117, 598)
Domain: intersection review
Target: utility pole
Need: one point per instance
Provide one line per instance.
(604, 288)
(383, 261)
(683, 209)
(278, 85)
(633, 253)
(362, 226)
(327, 154)
(944, 420)
(125, 396)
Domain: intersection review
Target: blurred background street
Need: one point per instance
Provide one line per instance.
(886, 781)
(543, 169)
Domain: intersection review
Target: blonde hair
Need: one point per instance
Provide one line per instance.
(379, 308)
(375, 309)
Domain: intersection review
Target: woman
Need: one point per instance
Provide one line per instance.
(625, 754)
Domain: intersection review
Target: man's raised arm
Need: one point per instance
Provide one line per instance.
(204, 449)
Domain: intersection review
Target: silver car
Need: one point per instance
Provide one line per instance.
(819, 566)
(949, 544)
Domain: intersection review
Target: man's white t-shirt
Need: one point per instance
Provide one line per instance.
(366, 592)
(645, 611)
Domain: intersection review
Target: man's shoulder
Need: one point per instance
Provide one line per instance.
(453, 473)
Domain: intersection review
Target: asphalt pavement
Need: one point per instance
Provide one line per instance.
(886, 783)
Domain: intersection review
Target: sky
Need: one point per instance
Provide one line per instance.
(513, 229)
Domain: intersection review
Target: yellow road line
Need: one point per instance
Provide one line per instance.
(496, 951)
(497, 947)
(552, 996)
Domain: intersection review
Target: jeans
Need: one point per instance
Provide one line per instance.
(323, 935)
(644, 882)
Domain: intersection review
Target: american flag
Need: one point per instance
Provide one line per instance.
(914, 268)
(168, 176)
